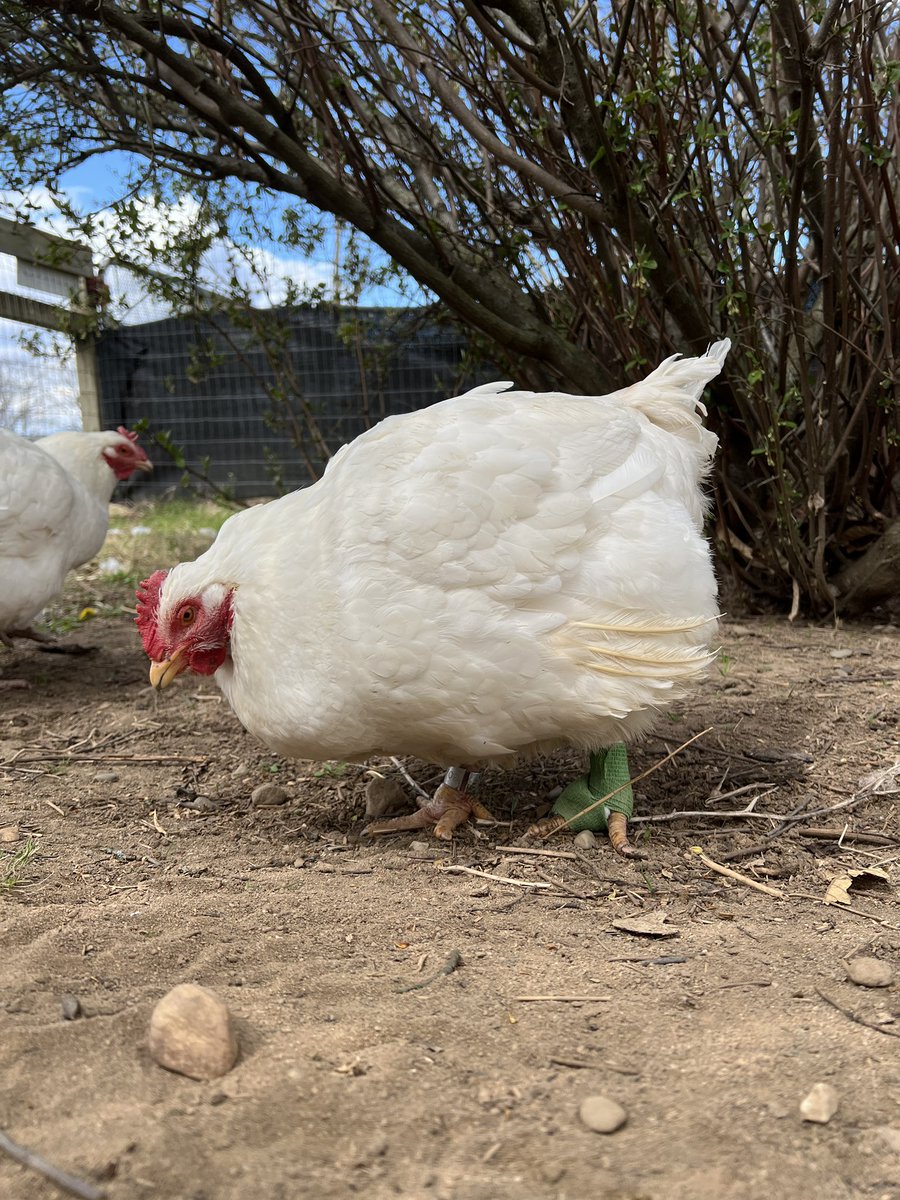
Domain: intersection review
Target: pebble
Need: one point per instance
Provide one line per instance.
(841, 653)
(384, 796)
(106, 777)
(890, 1135)
(70, 1008)
(601, 1114)
(585, 840)
(820, 1105)
(191, 1032)
(416, 849)
(269, 795)
(240, 770)
(10, 833)
(870, 972)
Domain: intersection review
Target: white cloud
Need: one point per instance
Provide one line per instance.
(262, 274)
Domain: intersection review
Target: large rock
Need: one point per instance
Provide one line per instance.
(191, 1032)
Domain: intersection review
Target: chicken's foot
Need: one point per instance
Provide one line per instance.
(449, 807)
(600, 801)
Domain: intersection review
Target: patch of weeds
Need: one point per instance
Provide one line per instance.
(332, 770)
(724, 664)
(674, 716)
(14, 865)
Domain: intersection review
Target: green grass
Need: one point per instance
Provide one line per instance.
(177, 530)
(14, 865)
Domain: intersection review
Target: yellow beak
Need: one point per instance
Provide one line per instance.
(163, 673)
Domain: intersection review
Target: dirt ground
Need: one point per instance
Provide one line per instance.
(153, 868)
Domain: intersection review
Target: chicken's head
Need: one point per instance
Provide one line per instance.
(180, 631)
(123, 455)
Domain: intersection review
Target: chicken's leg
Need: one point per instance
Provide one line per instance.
(449, 807)
(600, 800)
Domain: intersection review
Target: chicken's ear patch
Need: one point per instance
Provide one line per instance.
(147, 619)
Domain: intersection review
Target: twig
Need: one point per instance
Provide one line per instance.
(718, 797)
(831, 835)
(637, 779)
(62, 1179)
(561, 999)
(55, 807)
(789, 821)
(454, 959)
(535, 850)
(744, 983)
(409, 779)
(857, 912)
(496, 878)
(663, 960)
(853, 1016)
(736, 875)
(57, 756)
(575, 1063)
(716, 816)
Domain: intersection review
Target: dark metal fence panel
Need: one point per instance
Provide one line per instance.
(244, 397)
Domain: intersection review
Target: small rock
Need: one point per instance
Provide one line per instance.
(585, 840)
(191, 1032)
(820, 1105)
(70, 1008)
(601, 1114)
(841, 653)
(217, 1098)
(10, 833)
(140, 530)
(384, 795)
(891, 1136)
(240, 771)
(269, 795)
(870, 972)
(417, 849)
(106, 777)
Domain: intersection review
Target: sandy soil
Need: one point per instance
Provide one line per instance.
(153, 868)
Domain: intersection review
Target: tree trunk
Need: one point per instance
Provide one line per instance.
(874, 577)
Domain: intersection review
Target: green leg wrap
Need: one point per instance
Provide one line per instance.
(608, 770)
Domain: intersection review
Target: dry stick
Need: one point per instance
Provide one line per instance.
(417, 787)
(496, 878)
(857, 912)
(531, 850)
(56, 756)
(561, 999)
(786, 824)
(853, 1017)
(736, 875)
(62, 1179)
(637, 779)
(837, 835)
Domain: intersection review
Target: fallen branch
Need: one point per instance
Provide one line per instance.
(496, 878)
(857, 1019)
(561, 999)
(846, 835)
(637, 779)
(63, 1180)
(736, 875)
(60, 756)
(535, 850)
(453, 961)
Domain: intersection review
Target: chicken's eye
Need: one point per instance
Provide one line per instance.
(187, 615)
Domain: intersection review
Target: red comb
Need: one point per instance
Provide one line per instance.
(147, 619)
(129, 433)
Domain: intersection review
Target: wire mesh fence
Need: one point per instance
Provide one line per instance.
(38, 376)
(256, 402)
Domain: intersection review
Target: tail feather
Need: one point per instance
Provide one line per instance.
(670, 395)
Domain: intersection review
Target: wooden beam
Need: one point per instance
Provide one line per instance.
(45, 249)
(34, 312)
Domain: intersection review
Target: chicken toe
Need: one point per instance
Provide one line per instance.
(449, 807)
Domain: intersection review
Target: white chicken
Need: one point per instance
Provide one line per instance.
(495, 576)
(54, 511)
